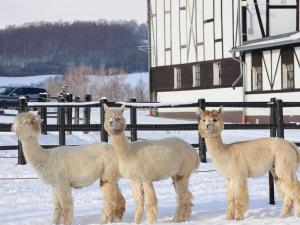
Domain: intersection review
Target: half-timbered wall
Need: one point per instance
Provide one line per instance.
(271, 62)
(271, 17)
(188, 31)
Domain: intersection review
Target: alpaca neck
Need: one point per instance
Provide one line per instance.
(33, 152)
(120, 144)
(216, 147)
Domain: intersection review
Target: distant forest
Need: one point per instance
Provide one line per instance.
(53, 48)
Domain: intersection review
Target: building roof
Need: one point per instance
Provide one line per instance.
(269, 42)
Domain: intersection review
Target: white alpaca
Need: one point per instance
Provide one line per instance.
(240, 160)
(146, 161)
(69, 167)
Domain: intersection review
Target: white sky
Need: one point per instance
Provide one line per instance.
(17, 12)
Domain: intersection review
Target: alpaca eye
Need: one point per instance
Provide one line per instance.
(117, 119)
(215, 120)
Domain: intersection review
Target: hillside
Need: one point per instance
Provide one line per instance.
(52, 48)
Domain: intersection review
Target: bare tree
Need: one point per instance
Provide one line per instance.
(141, 91)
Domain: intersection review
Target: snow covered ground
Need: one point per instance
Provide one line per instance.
(28, 201)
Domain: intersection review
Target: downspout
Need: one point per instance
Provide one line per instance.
(150, 48)
(242, 76)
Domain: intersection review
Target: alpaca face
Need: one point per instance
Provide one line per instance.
(211, 123)
(114, 122)
(26, 125)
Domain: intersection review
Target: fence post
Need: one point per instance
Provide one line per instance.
(22, 108)
(272, 134)
(279, 118)
(61, 122)
(69, 111)
(43, 112)
(76, 119)
(87, 112)
(202, 145)
(104, 134)
(133, 119)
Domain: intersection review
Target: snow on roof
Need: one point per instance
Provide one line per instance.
(269, 42)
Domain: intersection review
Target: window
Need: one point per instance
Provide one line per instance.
(196, 76)
(256, 71)
(18, 92)
(287, 76)
(177, 77)
(217, 74)
(256, 78)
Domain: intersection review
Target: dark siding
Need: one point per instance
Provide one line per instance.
(257, 59)
(287, 56)
(162, 78)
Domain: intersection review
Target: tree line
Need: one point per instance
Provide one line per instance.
(53, 48)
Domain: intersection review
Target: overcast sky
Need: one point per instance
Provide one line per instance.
(17, 12)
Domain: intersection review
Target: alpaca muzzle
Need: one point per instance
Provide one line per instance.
(209, 128)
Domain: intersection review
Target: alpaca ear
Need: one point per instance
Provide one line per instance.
(106, 108)
(220, 109)
(38, 118)
(122, 108)
(199, 111)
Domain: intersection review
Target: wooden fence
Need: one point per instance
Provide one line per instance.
(65, 120)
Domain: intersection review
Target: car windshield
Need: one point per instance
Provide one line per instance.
(5, 90)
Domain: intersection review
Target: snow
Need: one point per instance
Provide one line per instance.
(28, 201)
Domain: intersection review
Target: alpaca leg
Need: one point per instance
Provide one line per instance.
(290, 187)
(110, 195)
(138, 196)
(57, 208)
(240, 192)
(184, 198)
(287, 206)
(66, 202)
(120, 204)
(230, 201)
(151, 202)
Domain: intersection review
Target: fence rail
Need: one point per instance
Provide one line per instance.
(66, 122)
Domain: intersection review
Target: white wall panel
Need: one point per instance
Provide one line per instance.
(248, 61)
(282, 21)
(208, 9)
(209, 41)
(297, 69)
(218, 21)
(227, 27)
(218, 46)
(200, 53)
(168, 30)
(266, 69)
(160, 34)
(276, 76)
(191, 30)
(175, 32)
(210, 95)
(199, 9)
(183, 55)
(153, 32)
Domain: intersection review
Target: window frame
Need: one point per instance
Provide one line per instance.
(219, 66)
(177, 78)
(196, 75)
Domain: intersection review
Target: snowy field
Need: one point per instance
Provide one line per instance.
(28, 201)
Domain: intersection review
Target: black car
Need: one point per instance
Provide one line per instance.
(13, 93)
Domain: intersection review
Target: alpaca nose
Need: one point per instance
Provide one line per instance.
(111, 123)
(208, 126)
